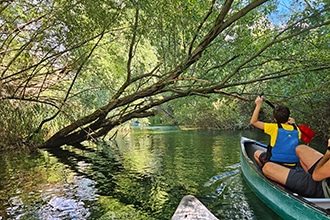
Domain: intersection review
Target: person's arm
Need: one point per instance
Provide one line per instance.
(291, 121)
(322, 169)
(255, 116)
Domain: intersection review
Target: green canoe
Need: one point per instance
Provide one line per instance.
(286, 204)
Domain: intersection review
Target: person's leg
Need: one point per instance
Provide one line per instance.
(276, 172)
(256, 157)
(294, 179)
(307, 156)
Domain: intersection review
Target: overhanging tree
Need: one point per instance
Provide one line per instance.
(200, 49)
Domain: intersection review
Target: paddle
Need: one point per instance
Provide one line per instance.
(307, 133)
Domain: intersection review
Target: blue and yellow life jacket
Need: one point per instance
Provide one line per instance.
(284, 150)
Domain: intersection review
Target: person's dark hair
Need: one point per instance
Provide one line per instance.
(281, 113)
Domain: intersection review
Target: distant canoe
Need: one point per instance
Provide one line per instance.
(286, 204)
(161, 128)
(191, 208)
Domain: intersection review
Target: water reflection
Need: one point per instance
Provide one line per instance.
(143, 175)
(39, 187)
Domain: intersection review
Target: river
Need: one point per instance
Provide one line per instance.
(142, 175)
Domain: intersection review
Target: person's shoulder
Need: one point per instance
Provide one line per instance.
(270, 125)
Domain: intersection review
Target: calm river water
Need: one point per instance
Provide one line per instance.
(143, 175)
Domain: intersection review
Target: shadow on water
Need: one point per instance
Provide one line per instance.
(143, 175)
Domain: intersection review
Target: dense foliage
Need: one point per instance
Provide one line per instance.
(75, 70)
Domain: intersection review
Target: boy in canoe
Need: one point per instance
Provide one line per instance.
(284, 136)
(312, 179)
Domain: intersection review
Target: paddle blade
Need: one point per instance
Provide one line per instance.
(307, 133)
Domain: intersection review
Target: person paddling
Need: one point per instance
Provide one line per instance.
(284, 136)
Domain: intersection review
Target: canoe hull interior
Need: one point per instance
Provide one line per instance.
(283, 202)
